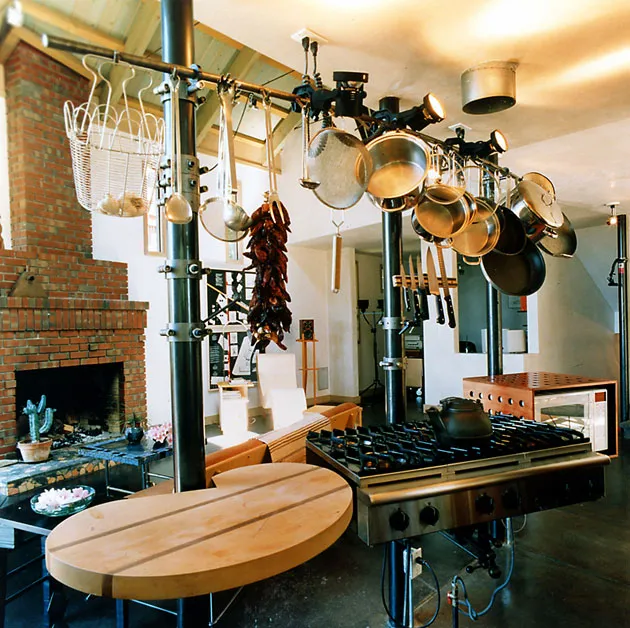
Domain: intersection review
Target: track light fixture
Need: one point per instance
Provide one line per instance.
(496, 144)
(612, 219)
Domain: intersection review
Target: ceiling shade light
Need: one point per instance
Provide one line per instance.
(489, 87)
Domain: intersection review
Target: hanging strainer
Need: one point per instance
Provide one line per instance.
(115, 154)
(341, 164)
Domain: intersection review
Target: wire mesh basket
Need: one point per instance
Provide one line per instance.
(115, 154)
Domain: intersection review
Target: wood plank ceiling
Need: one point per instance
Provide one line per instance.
(133, 26)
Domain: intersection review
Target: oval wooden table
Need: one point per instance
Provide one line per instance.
(259, 521)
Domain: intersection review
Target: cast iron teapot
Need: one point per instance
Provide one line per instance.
(460, 421)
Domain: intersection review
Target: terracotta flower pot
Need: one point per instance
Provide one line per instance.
(35, 452)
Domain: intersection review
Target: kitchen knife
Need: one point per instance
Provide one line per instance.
(447, 292)
(403, 279)
(424, 301)
(415, 292)
(434, 288)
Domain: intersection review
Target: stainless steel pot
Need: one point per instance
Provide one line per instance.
(400, 161)
(479, 237)
(425, 235)
(536, 208)
(446, 220)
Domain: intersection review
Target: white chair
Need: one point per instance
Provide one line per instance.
(279, 392)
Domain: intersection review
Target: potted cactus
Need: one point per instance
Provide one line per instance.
(40, 418)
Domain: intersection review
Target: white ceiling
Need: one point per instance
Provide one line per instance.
(572, 117)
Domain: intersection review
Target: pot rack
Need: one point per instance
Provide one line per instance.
(198, 77)
(186, 329)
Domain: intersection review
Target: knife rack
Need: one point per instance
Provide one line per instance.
(397, 281)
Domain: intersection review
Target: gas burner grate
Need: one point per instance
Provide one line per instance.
(413, 445)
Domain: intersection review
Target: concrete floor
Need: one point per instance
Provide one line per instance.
(572, 569)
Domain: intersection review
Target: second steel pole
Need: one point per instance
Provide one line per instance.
(184, 295)
(395, 407)
(622, 296)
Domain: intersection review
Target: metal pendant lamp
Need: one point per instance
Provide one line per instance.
(489, 87)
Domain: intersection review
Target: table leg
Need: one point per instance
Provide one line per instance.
(122, 613)
(107, 478)
(55, 599)
(145, 477)
(193, 612)
(4, 553)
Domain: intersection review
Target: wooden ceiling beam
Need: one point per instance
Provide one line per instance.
(143, 27)
(241, 63)
(283, 130)
(69, 24)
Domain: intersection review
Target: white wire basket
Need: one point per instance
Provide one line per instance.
(115, 154)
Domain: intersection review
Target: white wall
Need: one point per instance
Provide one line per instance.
(368, 287)
(575, 324)
(343, 330)
(309, 290)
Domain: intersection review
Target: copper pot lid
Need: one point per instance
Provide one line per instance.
(540, 202)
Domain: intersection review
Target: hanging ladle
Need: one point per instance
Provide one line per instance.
(306, 181)
(276, 208)
(177, 208)
(234, 216)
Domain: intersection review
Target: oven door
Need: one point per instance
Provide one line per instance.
(585, 411)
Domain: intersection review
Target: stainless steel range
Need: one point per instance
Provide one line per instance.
(406, 483)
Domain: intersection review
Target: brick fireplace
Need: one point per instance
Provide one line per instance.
(83, 316)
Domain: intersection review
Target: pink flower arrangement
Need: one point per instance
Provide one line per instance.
(162, 433)
(56, 498)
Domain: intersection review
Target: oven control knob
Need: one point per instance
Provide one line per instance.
(484, 504)
(510, 499)
(399, 520)
(429, 515)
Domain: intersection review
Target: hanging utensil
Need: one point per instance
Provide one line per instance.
(306, 181)
(177, 208)
(515, 275)
(444, 220)
(405, 287)
(565, 242)
(445, 182)
(400, 161)
(276, 208)
(335, 280)
(341, 164)
(536, 208)
(434, 288)
(415, 292)
(450, 312)
(512, 236)
(220, 215)
(422, 287)
(541, 180)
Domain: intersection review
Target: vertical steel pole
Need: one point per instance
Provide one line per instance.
(622, 297)
(184, 295)
(395, 407)
(493, 299)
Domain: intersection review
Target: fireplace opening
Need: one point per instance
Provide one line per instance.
(88, 400)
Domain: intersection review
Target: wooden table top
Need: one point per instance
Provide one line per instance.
(261, 520)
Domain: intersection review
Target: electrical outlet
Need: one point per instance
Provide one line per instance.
(305, 32)
(416, 555)
(416, 566)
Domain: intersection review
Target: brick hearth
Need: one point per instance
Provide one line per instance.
(86, 317)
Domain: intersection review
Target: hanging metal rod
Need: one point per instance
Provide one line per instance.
(60, 43)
